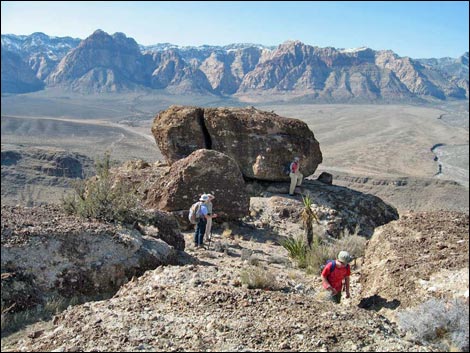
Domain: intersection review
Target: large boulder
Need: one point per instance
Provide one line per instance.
(260, 142)
(203, 171)
(178, 132)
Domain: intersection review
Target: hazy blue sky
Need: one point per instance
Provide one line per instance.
(417, 29)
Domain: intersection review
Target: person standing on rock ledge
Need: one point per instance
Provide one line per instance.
(333, 275)
(295, 175)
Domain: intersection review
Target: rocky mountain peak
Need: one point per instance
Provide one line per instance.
(104, 62)
(118, 42)
(101, 63)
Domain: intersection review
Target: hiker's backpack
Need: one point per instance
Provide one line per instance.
(194, 212)
(333, 265)
(286, 168)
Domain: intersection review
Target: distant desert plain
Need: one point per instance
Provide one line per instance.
(414, 157)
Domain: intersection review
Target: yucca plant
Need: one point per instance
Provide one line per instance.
(297, 250)
(308, 217)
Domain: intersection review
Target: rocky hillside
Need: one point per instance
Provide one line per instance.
(28, 171)
(422, 253)
(115, 63)
(17, 76)
(204, 306)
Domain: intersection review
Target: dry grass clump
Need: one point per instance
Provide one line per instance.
(255, 277)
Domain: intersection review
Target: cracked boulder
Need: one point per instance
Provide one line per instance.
(260, 142)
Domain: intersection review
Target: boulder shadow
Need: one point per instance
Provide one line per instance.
(376, 302)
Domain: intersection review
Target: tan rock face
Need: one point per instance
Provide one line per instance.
(260, 142)
(204, 171)
(178, 132)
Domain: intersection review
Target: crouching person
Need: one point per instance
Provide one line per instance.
(334, 274)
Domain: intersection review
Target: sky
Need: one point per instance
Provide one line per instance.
(421, 29)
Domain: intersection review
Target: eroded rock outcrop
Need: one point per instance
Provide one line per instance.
(423, 253)
(340, 211)
(260, 142)
(46, 253)
(175, 188)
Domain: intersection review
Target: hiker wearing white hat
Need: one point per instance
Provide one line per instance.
(201, 218)
(210, 214)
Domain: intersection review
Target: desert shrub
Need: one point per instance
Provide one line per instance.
(104, 198)
(297, 250)
(439, 322)
(317, 257)
(354, 244)
(258, 277)
(14, 321)
(227, 233)
(29, 196)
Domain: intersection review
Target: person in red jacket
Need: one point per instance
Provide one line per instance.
(333, 276)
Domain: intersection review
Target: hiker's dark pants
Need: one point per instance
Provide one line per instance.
(336, 298)
(200, 230)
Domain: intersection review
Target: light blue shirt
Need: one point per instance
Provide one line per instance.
(203, 211)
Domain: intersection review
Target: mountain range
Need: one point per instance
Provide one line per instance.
(117, 63)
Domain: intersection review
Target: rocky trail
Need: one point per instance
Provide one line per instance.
(204, 306)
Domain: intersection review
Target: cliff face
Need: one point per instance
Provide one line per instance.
(105, 63)
(101, 62)
(17, 76)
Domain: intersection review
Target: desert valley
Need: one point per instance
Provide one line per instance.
(398, 200)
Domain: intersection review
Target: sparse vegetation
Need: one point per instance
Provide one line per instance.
(227, 233)
(308, 217)
(13, 321)
(353, 243)
(439, 322)
(313, 257)
(103, 198)
(317, 256)
(258, 277)
(28, 195)
(297, 250)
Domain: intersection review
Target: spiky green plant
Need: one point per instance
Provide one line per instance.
(308, 217)
(297, 250)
